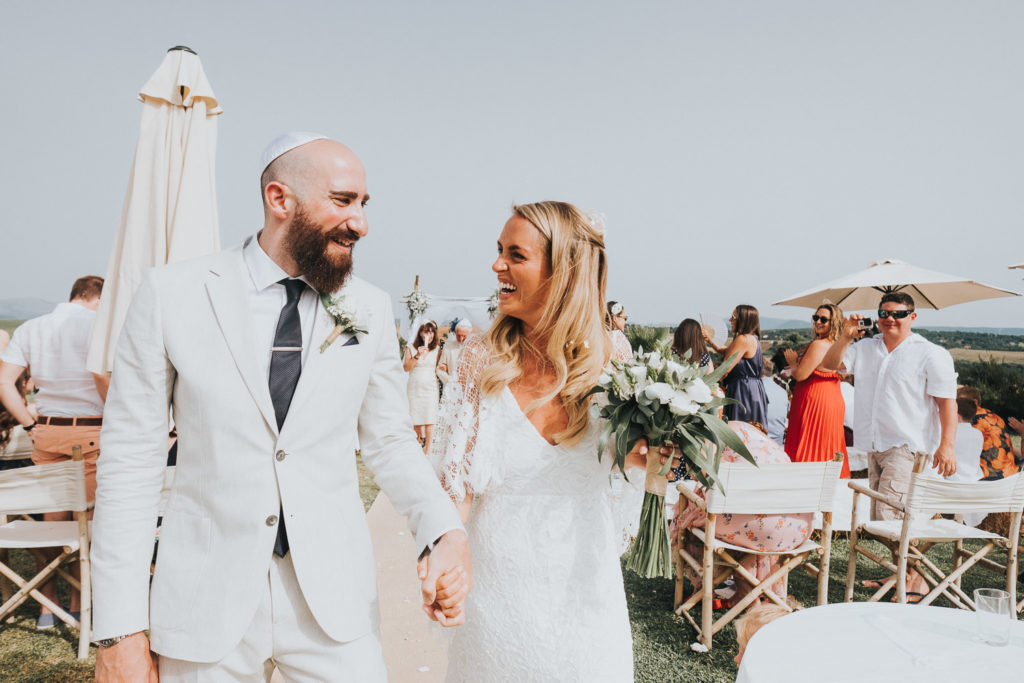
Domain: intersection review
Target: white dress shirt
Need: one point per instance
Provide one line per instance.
(266, 299)
(54, 347)
(895, 392)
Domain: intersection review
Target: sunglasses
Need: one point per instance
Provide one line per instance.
(820, 319)
(898, 315)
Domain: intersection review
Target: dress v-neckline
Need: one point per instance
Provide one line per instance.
(533, 427)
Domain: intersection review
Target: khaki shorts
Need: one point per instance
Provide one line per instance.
(889, 473)
(53, 443)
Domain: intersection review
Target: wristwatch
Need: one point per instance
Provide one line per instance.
(107, 642)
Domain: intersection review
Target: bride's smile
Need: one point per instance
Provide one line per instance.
(523, 271)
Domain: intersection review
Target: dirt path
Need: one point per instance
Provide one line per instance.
(415, 649)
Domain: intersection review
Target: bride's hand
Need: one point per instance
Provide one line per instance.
(450, 599)
(638, 456)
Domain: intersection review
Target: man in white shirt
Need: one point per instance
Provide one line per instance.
(905, 398)
(449, 360)
(53, 347)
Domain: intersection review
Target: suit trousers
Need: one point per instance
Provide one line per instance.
(284, 634)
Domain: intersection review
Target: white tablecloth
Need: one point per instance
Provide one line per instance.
(880, 643)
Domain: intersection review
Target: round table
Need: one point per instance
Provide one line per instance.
(879, 642)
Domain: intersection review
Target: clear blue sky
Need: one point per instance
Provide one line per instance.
(741, 151)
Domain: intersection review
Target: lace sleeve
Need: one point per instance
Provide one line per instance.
(621, 350)
(454, 447)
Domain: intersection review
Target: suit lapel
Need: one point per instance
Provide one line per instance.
(225, 285)
(317, 365)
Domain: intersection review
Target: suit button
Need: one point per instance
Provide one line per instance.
(271, 520)
(280, 455)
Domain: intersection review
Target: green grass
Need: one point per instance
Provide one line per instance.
(10, 325)
(661, 640)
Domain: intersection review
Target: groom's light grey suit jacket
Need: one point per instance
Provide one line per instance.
(186, 344)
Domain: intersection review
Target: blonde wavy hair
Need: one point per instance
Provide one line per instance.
(835, 324)
(571, 329)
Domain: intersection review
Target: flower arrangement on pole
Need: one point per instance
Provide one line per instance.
(665, 401)
(416, 302)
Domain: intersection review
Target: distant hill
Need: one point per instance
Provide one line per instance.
(20, 309)
(801, 324)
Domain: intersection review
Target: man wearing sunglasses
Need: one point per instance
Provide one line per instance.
(905, 398)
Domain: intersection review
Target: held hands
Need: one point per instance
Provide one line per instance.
(127, 661)
(446, 574)
(1016, 425)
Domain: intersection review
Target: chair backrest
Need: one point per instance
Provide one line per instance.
(792, 488)
(43, 488)
(929, 494)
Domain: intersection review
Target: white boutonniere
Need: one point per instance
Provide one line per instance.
(344, 319)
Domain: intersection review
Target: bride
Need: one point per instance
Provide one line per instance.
(516, 448)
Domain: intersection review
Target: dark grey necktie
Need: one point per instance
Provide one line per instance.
(285, 368)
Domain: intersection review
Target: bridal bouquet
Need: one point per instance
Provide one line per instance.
(655, 397)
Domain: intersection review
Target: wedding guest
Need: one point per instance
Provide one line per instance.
(688, 343)
(421, 358)
(777, 411)
(617, 316)
(905, 388)
(969, 443)
(816, 413)
(998, 459)
(758, 532)
(449, 359)
(743, 383)
(70, 399)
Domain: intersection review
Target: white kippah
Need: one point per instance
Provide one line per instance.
(285, 142)
(463, 325)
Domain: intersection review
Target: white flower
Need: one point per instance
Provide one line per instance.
(604, 380)
(682, 405)
(660, 391)
(675, 368)
(655, 361)
(638, 372)
(698, 391)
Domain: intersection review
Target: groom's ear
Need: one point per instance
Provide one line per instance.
(278, 200)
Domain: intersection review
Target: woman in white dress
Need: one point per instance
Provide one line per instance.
(517, 451)
(423, 391)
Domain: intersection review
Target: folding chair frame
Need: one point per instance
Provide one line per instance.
(56, 567)
(911, 554)
(718, 562)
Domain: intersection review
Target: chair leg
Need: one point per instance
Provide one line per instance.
(706, 613)
(851, 567)
(826, 558)
(85, 616)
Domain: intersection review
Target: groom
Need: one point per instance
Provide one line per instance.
(264, 557)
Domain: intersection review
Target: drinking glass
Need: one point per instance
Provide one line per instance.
(993, 609)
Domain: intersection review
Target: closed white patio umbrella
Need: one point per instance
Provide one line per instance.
(170, 207)
(862, 291)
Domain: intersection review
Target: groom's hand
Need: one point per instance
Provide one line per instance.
(449, 568)
(129, 660)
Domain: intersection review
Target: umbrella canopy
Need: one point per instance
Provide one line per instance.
(1018, 266)
(862, 291)
(170, 208)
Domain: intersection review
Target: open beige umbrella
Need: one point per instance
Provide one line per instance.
(170, 208)
(862, 291)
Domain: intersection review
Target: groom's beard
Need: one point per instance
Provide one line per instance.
(307, 244)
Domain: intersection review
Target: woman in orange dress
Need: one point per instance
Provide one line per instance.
(815, 430)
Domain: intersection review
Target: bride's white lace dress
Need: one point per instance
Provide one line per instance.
(548, 602)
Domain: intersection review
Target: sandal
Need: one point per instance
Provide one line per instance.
(872, 584)
(919, 597)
